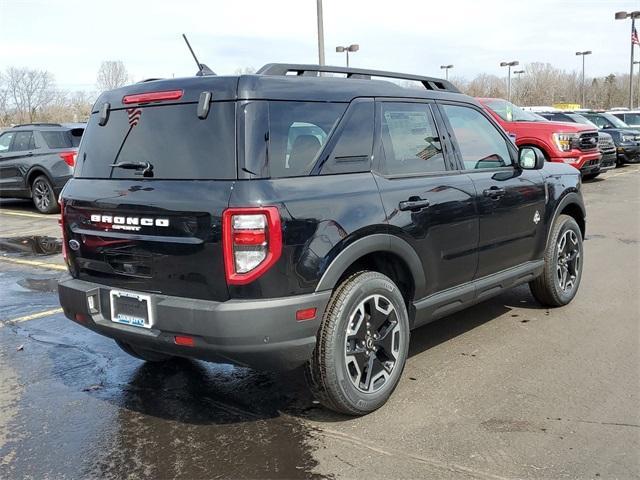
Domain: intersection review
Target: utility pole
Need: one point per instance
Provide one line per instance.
(320, 33)
(446, 70)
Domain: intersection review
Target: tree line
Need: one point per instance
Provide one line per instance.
(31, 95)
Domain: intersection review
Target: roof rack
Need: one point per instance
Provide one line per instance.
(37, 125)
(430, 83)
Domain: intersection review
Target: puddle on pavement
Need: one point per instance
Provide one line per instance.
(39, 284)
(31, 245)
(181, 418)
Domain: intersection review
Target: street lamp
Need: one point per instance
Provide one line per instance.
(622, 16)
(518, 73)
(446, 70)
(637, 62)
(583, 54)
(509, 64)
(351, 48)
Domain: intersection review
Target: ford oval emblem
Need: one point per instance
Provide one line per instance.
(74, 245)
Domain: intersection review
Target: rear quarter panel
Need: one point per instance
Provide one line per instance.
(321, 215)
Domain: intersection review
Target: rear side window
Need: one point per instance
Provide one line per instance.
(480, 144)
(23, 142)
(410, 139)
(297, 133)
(352, 150)
(57, 139)
(171, 138)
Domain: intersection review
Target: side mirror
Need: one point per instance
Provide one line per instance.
(531, 158)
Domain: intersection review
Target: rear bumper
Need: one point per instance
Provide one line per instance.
(262, 334)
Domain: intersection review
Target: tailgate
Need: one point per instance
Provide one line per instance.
(160, 236)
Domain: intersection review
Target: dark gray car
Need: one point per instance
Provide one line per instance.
(36, 160)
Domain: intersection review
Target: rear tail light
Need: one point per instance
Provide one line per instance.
(69, 158)
(152, 97)
(252, 242)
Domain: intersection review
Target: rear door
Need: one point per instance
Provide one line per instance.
(14, 163)
(426, 201)
(157, 228)
(510, 201)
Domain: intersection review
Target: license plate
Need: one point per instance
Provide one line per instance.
(131, 308)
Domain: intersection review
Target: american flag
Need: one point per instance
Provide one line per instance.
(634, 37)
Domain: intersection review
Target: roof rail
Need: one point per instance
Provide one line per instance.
(37, 125)
(430, 83)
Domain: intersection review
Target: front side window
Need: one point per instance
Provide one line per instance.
(23, 142)
(479, 142)
(5, 141)
(410, 139)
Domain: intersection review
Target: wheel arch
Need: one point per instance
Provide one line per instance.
(571, 204)
(384, 253)
(35, 172)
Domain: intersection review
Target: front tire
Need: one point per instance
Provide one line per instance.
(563, 259)
(43, 195)
(143, 354)
(362, 345)
(590, 176)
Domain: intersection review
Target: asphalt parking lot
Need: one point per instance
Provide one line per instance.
(506, 389)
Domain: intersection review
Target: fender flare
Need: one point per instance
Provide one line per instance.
(571, 198)
(379, 242)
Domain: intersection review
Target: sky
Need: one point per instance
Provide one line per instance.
(70, 38)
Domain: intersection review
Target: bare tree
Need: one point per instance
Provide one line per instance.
(29, 90)
(4, 101)
(112, 74)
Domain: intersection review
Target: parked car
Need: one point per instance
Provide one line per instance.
(630, 117)
(196, 227)
(605, 141)
(627, 139)
(574, 144)
(36, 160)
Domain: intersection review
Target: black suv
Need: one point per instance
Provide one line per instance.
(36, 160)
(290, 218)
(627, 139)
(606, 145)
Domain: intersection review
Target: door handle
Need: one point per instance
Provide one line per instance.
(28, 154)
(494, 192)
(414, 204)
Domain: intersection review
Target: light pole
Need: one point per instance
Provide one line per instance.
(513, 63)
(637, 62)
(519, 90)
(622, 16)
(446, 70)
(320, 33)
(583, 54)
(351, 48)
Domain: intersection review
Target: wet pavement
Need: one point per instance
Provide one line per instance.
(505, 389)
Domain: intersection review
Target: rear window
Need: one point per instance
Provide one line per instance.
(171, 138)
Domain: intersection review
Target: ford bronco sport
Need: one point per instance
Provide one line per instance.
(289, 219)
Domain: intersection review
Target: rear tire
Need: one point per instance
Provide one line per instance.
(563, 260)
(43, 195)
(362, 345)
(142, 354)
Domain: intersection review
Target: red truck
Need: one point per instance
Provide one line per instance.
(571, 143)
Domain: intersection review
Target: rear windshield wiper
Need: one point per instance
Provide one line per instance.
(146, 167)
